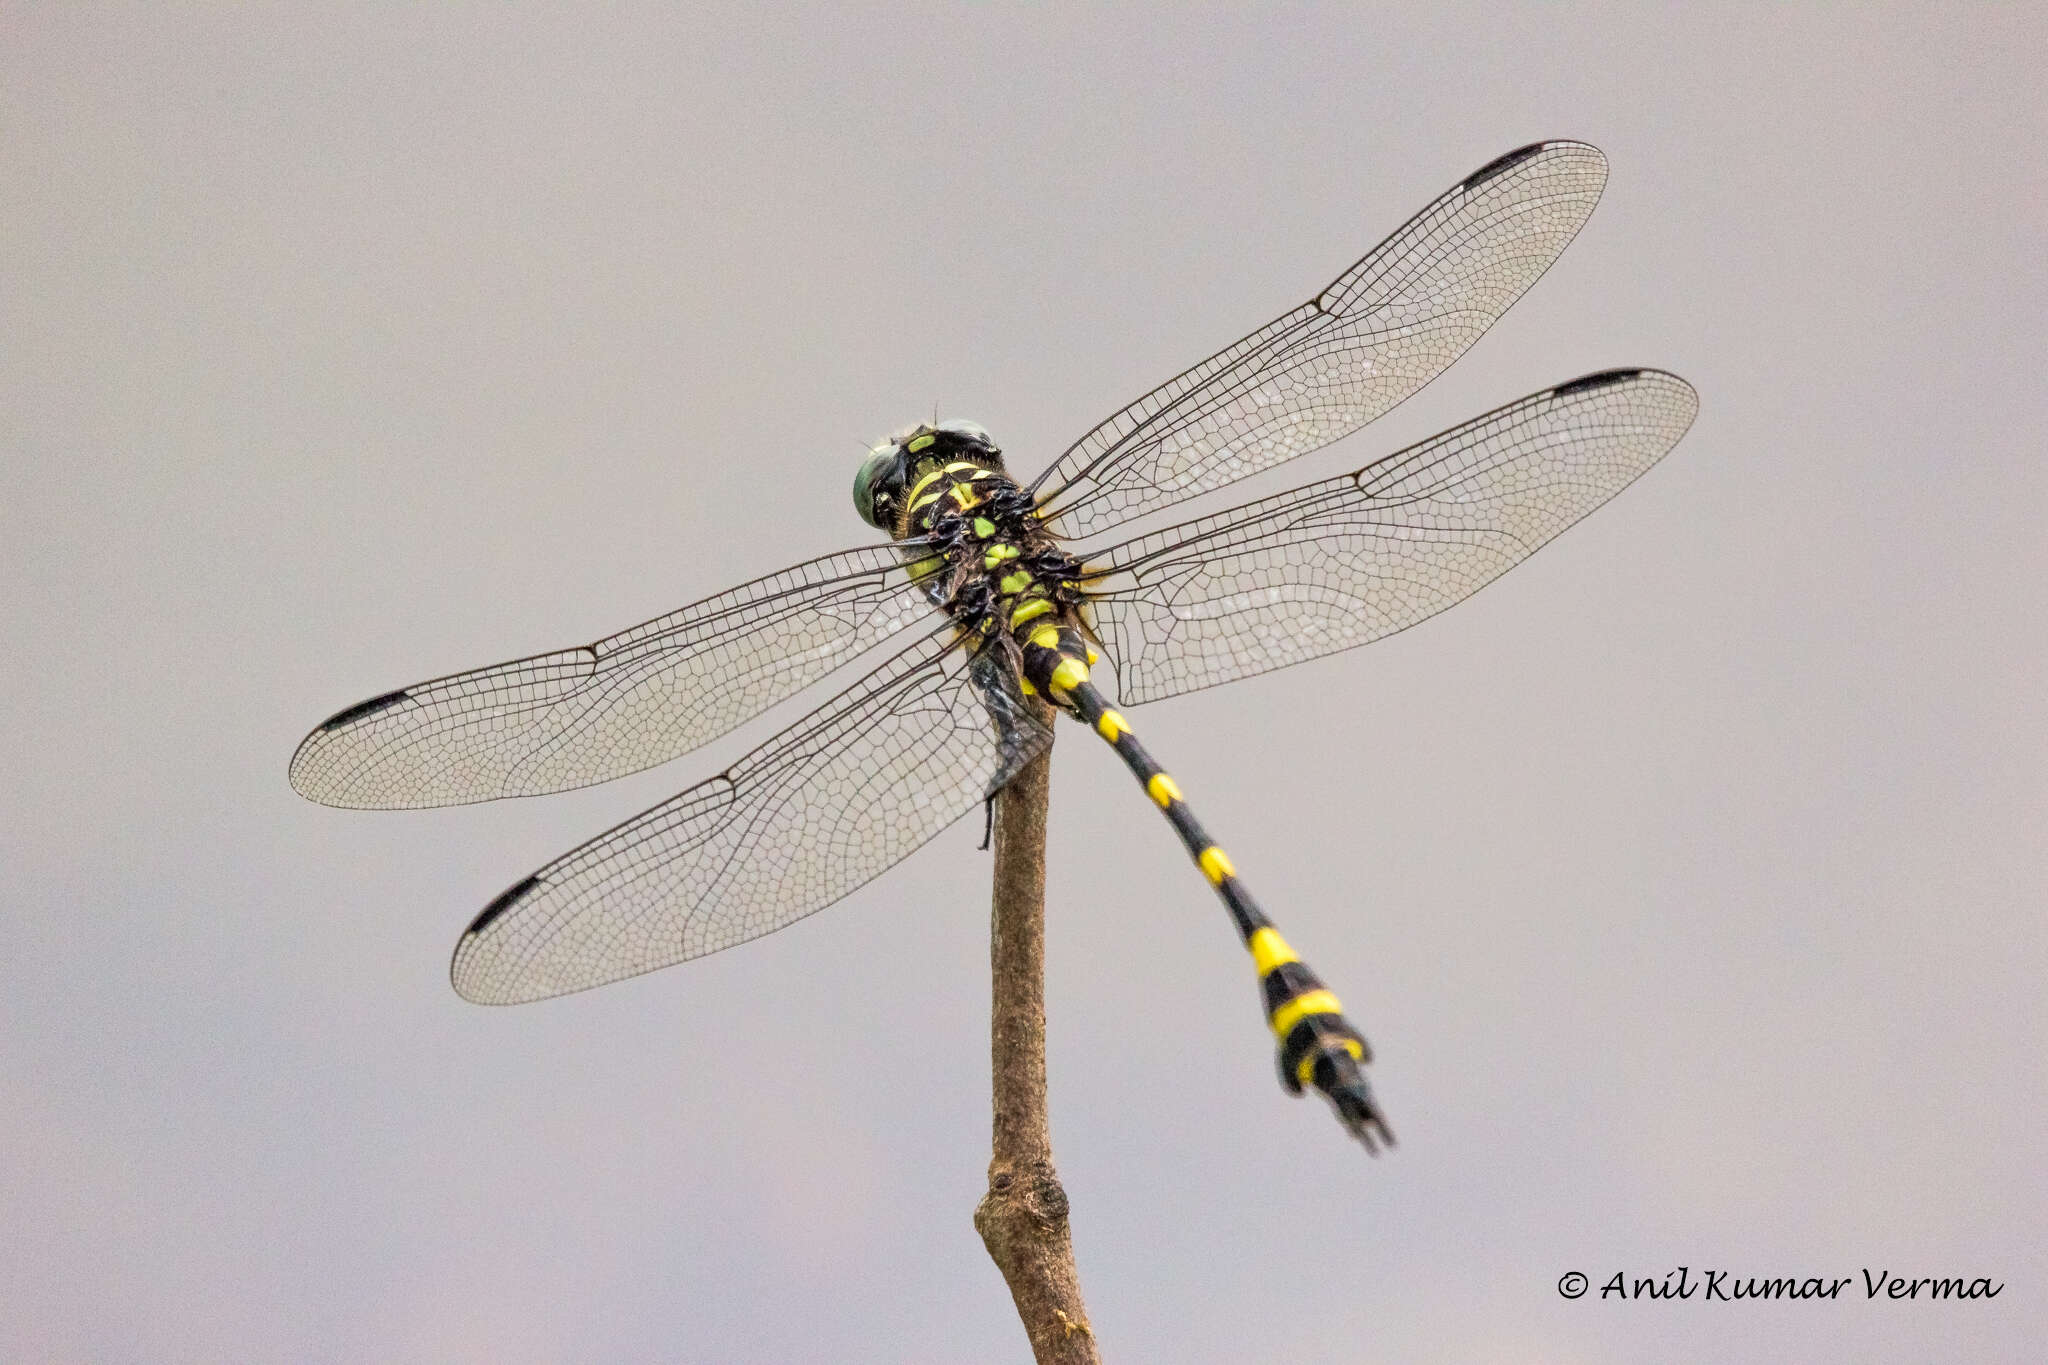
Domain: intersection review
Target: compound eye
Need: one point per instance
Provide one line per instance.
(870, 487)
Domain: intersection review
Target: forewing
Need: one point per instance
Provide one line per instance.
(1383, 329)
(600, 711)
(1354, 558)
(814, 813)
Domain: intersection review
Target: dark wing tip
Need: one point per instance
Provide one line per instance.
(300, 777)
(461, 972)
(1509, 160)
(1586, 383)
(1669, 383)
(504, 902)
(351, 715)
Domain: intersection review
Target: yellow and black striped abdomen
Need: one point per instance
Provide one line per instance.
(1317, 1045)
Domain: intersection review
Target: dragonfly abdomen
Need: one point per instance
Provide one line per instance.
(1317, 1046)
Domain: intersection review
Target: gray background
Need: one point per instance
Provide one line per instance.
(1688, 881)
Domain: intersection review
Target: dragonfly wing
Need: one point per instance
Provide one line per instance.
(1355, 558)
(1383, 329)
(599, 711)
(817, 811)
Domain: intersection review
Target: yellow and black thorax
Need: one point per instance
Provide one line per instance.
(973, 539)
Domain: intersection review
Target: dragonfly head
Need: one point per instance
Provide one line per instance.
(895, 465)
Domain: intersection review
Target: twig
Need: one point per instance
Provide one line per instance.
(1023, 1217)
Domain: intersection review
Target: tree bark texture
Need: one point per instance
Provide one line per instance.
(1023, 1217)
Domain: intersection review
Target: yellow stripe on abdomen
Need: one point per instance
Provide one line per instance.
(1301, 1006)
(1216, 865)
(1269, 950)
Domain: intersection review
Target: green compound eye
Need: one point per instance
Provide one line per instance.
(866, 482)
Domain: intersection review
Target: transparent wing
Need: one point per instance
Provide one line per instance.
(1383, 329)
(817, 811)
(1354, 558)
(600, 711)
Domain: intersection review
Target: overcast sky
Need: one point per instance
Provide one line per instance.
(1689, 882)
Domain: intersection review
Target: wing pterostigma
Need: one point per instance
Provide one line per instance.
(1380, 331)
(1352, 559)
(627, 702)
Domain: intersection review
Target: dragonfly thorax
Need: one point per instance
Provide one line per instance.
(974, 542)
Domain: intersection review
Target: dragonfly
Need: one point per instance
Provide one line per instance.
(996, 619)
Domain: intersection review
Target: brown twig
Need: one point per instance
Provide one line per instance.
(1023, 1217)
